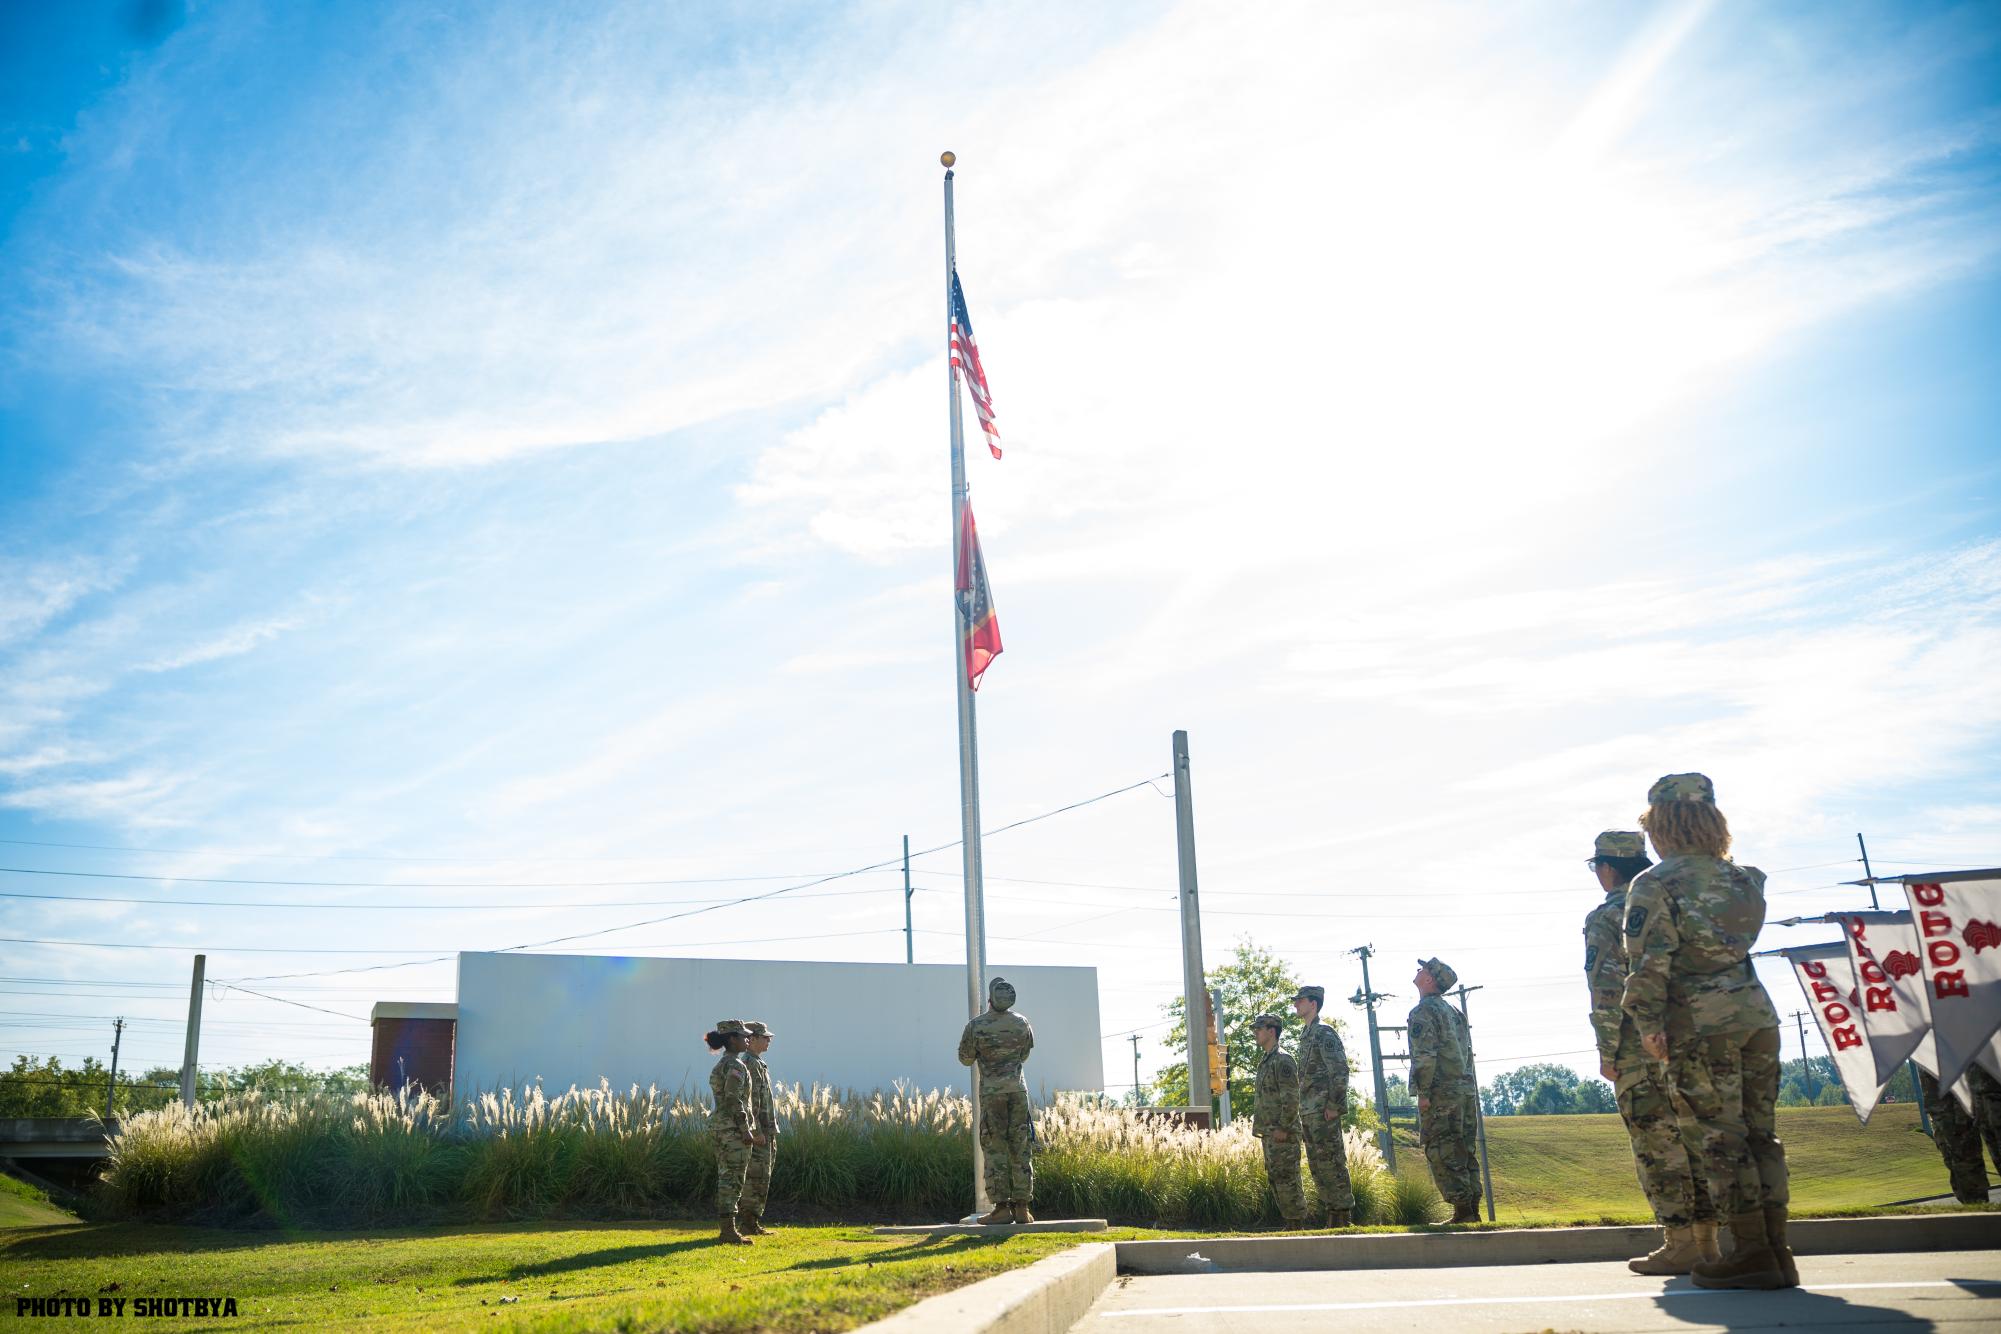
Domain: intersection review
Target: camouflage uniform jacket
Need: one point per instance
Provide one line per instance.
(729, 1084)
(1276, 1105)
(1441, 1052)
(1323, 1070)
(760, 1094)
(998, 1041)
(1605, 971)
(1690, 926)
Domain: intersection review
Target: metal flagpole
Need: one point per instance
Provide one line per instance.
(969, 750)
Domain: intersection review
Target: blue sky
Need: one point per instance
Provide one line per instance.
(463, 451)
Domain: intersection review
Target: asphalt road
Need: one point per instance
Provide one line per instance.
(1955, 1289)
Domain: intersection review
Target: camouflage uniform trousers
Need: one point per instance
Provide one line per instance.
(757, 1178)
(1662, 1153)
(1282, 1170)
(732, 1165)
(1956, 1132)
(1007, 1141)
(1327, 1158)
(1987, 1110)
(1726, 1092)
(1448, 1126)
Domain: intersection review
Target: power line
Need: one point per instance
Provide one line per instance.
(412, 884)
(749, 898)
(403, 907)
(442, 958)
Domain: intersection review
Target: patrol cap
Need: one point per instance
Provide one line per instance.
(756, 1028)
(1619, 843)
(1441, 972)
(730, 1026)
(1270, 1021)
(1318, 995)
(1682, 787)
(1001, 992)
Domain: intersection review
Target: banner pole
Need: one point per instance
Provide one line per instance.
(969, 751)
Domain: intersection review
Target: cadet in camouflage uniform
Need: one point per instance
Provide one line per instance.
(998, 1042)
(1956, 1133)
(757, 1180)
(1680, 1200)
(1698, 1005)
(733, 1127)
(1448, 1106)
(1323, 1097)
(1275, 1119)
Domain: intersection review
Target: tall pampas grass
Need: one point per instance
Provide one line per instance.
(376, 1158)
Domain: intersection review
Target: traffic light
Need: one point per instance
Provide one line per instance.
(1218, 1076)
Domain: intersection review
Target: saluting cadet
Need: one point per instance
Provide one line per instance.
(1696, 1001)
(1275, 1119)
(1323, 1097)
(757, 1179)
(1448, 1101)
(1679, 1197)
(733, 1128)
(998, 1041)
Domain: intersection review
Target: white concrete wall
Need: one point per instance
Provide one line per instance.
(573, 1018)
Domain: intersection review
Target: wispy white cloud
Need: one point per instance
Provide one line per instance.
(237, 640)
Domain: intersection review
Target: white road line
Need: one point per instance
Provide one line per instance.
(1529, 1301)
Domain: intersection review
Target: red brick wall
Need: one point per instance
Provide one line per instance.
(413, 1051)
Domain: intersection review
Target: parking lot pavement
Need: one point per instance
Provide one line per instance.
(1848, 1292)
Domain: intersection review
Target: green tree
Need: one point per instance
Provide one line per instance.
(1550, 1097)
(1595, 1095)
(1505, 1095)
(1255, 981)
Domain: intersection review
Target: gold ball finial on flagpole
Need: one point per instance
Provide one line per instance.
(948, 157)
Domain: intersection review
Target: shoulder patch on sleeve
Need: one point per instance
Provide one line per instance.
(1636, 921)
(1590, 958)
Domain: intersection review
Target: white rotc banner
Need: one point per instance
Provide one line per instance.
(1827, 976)
(1883, 953)
(1896, 1004)
(1958, 918)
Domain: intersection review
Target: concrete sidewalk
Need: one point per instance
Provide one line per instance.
(1527, 1246)
(1839, 1292)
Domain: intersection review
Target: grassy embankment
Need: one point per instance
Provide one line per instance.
(1565, 1169)
(22, 1205)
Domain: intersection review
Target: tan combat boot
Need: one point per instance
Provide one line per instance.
(1775, 1232)
(1751, 1263)
(1677, 1253)
(729, 1235)
(1705, 1239)
(1466, 1213)
(1340, 1218)
(1021, 1214)
(747, 1224)
(1002, 1215)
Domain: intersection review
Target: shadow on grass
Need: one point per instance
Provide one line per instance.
(87, 1241)
(569, 1264)
(930, 1248)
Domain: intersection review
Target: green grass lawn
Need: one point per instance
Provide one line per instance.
(668, 1277)
(1554, 1169)
(671, 1277)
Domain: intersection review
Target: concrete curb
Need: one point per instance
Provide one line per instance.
(1046, 1297)
(1452, 1250)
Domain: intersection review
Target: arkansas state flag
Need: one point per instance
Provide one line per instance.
(978, 628)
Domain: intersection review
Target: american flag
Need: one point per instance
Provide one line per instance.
(966, 357)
